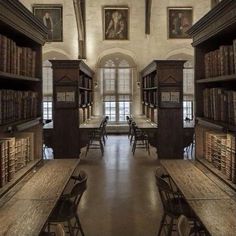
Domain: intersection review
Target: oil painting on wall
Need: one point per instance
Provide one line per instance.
(179, 21)
(51, 16)
(116, 23)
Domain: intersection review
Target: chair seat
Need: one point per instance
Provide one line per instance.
(178, 206)
(64, 210)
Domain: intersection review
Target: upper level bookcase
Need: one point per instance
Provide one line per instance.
(21, 40)
(73, 99)
(162, 103)
(214, 40)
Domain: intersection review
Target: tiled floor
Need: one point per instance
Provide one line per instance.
(121, 199)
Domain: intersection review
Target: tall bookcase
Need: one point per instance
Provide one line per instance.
(214, 40)
(73, 101)
(21, 40)
(162, 103)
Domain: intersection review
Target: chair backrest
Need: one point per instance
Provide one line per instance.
(79, 188)
(129, 121)
(183, 226)
(160, 172)
(168, 196)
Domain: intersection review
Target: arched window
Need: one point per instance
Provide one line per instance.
(117, 89)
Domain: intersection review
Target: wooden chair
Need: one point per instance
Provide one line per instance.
(97, 138)
(67, 208)
(173, 203)
(140, 139)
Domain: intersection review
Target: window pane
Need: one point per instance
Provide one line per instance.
(124, 80)
(109, 80)
(47, 108)
(188, 109)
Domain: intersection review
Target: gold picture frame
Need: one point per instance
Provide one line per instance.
(180, 19)
(115, 23)
(52, 18)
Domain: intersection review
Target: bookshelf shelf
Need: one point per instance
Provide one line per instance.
(84, 88)
(28, 124)
(9, 76)
(21, 92)
(214, 39)
(20, 125)
(152, 88)
(223, 78)
(19, 175)
(216, 124)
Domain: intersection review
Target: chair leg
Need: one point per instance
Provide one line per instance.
(131, 139)
(162, 224)
(101, 146)
(147, 143)
(170, 227)
(87, 149)
(103, 138)
(134, 147)
(79, 225)
(71, 231)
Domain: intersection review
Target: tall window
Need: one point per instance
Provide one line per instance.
(117, 82)
(47, 90)
(188, 90)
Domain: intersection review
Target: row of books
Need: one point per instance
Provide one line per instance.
(15, 153)
(16, 59)
(220, 105)
(150, 97)
(85, 82)
(221, 61)
(85, 114)
(149, 81)
(151, 113)
(85, 97)
(17, 105)
(220, 151)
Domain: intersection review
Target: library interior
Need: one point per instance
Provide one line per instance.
(117, 117)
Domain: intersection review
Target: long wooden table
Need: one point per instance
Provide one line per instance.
(218, 216)
(25, 211)
(143, 122)
(192, 182)
(93, 123)
(212, 205)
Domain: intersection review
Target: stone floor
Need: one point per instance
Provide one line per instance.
(121, 199)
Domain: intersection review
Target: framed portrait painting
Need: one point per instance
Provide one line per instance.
(179, 21)
(116, 23)
(51, 16)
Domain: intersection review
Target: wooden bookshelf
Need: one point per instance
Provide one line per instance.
(162, 103)
(73, 97)
(21, 92)
(214, 40)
